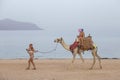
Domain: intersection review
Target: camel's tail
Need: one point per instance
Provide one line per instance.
(95, 46)
(96, 49)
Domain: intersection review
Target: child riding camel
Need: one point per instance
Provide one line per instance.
(81, 36)
(79, 40)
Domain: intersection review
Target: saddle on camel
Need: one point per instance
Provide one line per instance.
(87, 44)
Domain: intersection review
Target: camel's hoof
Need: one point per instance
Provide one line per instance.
(100, 67)
(33, 68)
(27, 68)
(90, 68)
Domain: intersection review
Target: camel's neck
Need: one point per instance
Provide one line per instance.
(65, 45)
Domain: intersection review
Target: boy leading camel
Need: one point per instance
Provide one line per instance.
(31, 51)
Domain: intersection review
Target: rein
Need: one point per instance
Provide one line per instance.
(48, 51)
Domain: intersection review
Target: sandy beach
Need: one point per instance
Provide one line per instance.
(59, 69)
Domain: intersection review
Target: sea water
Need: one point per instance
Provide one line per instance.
(13, 45)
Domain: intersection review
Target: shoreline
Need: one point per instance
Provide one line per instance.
(51, 58)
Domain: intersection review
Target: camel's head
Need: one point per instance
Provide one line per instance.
(58, 40)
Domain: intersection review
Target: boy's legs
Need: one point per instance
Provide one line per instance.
(81, 41)
(33, 64)
(28, 64)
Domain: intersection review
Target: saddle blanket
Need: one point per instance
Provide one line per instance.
(74, 45)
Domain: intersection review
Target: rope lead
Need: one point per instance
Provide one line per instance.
(48, 51)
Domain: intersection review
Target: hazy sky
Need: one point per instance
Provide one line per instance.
(100, 18)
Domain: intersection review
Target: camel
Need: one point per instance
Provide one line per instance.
(75, 51)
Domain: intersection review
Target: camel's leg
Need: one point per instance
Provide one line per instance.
(81, 57)
(71, 65)
(99, 60)
(93, 54)
(74, 55)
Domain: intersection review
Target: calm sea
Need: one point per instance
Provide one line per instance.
(13, 45)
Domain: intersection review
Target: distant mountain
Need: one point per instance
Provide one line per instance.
(8, 24)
